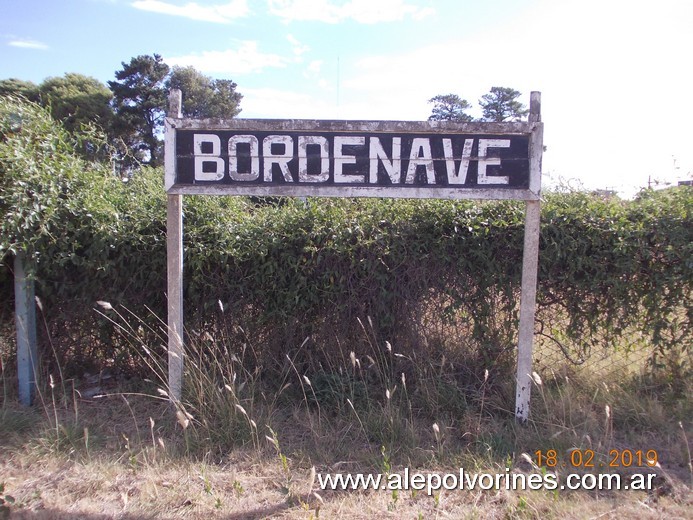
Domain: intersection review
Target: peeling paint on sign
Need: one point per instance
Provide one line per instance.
(377, 159)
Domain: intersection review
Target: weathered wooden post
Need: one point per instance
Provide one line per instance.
(25, 323)
(174, 255)
(530, 266)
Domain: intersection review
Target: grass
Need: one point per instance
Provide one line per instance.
(243, 443)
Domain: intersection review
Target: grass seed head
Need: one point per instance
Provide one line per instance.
(182, 419)
(104, 305)
(537, 378)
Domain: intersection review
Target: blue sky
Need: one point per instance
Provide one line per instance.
(615, 75)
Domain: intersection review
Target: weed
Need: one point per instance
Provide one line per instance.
(5, 502)
(238, 487)
(688, 451)
(284, 462)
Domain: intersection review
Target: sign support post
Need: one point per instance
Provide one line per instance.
(530, 266)
(174, 264)
(25, 323)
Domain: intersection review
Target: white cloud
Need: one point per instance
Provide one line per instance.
(275, 103)
(610, 104)
(313, 73)
(314, 67)
(221, 13)
(362, 11)
(320, 102)
(285, 104)
(28, 44)
(298, 48)
(247, 59)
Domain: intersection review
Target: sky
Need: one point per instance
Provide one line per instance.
(615, 75)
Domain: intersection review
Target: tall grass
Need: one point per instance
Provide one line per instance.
(377, 396)
(376, 409)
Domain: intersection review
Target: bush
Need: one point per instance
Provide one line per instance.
(440, 278)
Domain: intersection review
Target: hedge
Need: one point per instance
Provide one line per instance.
(425, 275)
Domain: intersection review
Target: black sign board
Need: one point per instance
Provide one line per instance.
(333, 158)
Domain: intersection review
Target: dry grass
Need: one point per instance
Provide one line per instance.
(250, 483)
(243, 447)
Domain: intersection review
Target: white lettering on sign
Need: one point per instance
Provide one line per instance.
(459, 177)
(304, 141)
(204, 160)
(354, 159)
(393, 167)
(254, 172)
(340, 159)
(484, 161)
(420, 156)
(280, 159)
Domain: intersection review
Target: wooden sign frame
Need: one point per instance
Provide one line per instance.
(393, 159)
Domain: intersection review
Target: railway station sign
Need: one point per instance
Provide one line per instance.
(319, 158)
(351, 158)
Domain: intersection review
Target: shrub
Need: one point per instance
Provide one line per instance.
(438, 278)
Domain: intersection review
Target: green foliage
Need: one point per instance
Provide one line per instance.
(139, 99)
(72, 217)
(204, 97)
(610, 264)
(450, 107)
(20, 88)
(42, 181)
(5, 502)
(434, 277)
(130, 110)
(77, 100)
(501, 104)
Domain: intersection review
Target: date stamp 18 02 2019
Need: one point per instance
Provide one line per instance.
(588, 459)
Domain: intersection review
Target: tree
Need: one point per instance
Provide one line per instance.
(450, 107)
(131, 110)
(76, 100)
(18, 87)
(204, 97)
(139, 100)
(501, 104)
